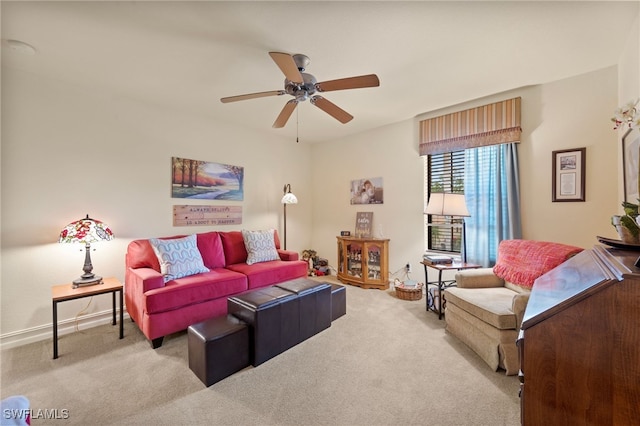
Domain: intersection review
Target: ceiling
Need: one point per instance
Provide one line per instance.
(428, 55)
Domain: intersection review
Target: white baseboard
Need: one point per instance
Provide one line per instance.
(44, 332)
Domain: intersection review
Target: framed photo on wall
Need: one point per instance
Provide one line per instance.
(631, 164)
(367, 191)
(568, 174)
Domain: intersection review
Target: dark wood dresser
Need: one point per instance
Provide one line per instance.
(580, 342)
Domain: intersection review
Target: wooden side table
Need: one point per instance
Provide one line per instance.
(455, 266)
(61, 293)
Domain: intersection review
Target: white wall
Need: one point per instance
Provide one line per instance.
(629, 66)
(571, 113)
(68, 151)
(389, 152)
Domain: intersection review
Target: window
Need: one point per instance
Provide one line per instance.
(443, 173)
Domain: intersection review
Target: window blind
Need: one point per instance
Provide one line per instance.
(444, 173)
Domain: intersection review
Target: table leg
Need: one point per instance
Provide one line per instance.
(113, 303)
(121, 315)
(55, 329)
(426, 287)
(440, 291)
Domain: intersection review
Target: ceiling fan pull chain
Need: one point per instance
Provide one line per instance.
(297, 124)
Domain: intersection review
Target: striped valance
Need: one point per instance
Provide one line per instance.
(486, 125)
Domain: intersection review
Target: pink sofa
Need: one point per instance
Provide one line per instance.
(160, 308)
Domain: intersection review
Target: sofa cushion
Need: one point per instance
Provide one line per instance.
(178, 257)
(210, 246)
(194, 289)
(495, 347)
(260, 246)
(522, 261)
(140, 254)
(272, 272)
(234, 249)
(491, 305)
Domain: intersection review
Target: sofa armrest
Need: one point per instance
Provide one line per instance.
(288, 254)
(478, 278)
(144, 279)
(518, 306)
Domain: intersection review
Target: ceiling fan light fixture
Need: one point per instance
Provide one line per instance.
(301, 61)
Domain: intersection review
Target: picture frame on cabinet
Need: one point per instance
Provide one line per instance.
(364, 223)
(568, 174)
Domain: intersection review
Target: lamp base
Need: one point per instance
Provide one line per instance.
(81, 282)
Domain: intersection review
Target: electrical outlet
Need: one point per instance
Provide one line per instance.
(407, 267)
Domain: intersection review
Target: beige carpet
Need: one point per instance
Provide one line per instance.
(387, 362)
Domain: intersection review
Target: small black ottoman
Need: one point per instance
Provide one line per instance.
(314, 299)
(272, 318)
(338, 301)
(218, 347)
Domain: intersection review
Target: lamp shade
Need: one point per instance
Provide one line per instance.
(447, 204)
(85, 231)
(288, 197)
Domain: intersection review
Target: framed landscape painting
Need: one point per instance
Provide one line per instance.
(203, 180)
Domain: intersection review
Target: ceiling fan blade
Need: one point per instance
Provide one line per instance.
(331, 109)
(252, 96)
(285, 114)
(287, 65)
(370, 80)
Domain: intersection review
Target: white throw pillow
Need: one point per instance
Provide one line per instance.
(178, 257)
(260, 245)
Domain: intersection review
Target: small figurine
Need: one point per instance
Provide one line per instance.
(310, 257)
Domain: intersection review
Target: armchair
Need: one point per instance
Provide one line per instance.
(486, 307)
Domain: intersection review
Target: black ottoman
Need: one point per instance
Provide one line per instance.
(218, 347)
(338, 301)
(314, 300)
(272, 317)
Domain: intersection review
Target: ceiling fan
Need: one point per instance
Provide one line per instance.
(303, 86)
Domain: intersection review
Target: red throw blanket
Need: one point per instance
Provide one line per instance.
(522, 261)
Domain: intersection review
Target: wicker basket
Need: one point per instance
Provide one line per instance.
(409, 293)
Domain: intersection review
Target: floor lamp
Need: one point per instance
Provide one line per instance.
(448, 204)
(287, 198)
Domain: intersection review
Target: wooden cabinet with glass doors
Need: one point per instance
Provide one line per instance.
(364, 262)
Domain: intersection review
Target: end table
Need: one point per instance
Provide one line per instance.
(61, 293)
(454, 266)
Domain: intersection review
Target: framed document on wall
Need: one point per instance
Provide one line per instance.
(568, 174)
